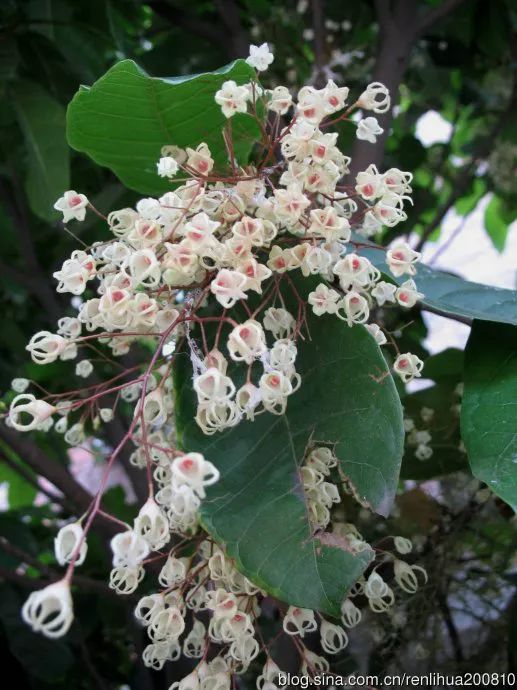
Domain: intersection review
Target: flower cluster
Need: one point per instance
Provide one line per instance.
(207, 267)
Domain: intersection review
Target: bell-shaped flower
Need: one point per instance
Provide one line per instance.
(323, 300)
(368, 129)
(129, 549)
(125, 579)
(408, 367)
(279, 100)
(45, 347)
(333, 638)
(49, 610)
(353, 308)
(260, 57)
(232, 98)
(402, 259)
(69, 540)
(222, 603)
(167, 624)
(376, 97)
(193, 470)
(247, 342)
(195, 642)
(148, 607)
(200, 160)
(213, 386)
(298, 621)
(155, 655)
(72, 205)
(279, 322)
(152, 525)
(167, 167)
(27, 413)
(406, 576)
(174, 571)
(407, 295)
(350, 614)
(248, 399)
(403, 545)
(228, 287)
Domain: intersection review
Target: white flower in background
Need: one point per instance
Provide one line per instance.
(20, 385)
(83, 368)
(260, 57)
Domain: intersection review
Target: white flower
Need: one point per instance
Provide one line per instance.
(45, 347)
(407, 295)
(152, 525)
(232, 98)
(228, 287)
(298, 621)
(193, 470)
(200, 159)
(384, 292)
(83, 368)
(72, 205)
(403, 545)
(20, 385)
(260, 57)
(26, 404)
(323, 300)
(376, 98)
(279, 100)
(402, 259)
(49, 610)
(167, 166)
(408, 367)
(377, 333)
(247, 342)
(368, 129)
(333, 637)
(65, 544)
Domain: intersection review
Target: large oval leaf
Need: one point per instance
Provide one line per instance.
(489, 410)
(126, 117)
(42, 120)
(258, 508)
(452, 295)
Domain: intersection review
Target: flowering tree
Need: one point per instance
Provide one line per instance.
(234, 318)
(247, 294)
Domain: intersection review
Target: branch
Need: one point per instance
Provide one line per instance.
(31, 479)
(318, 26)
(399, 29)
(437, 13)
(179, 18)
(237, 36)
(462, 181)
(85, 583)
(56, 474)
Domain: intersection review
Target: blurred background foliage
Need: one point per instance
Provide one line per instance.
(454, 57)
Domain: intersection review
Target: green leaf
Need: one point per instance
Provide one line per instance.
(347, 399)
(20, 492)
(489, 410)
(42, 120)
(497, 222)
(452, 295)
(126, 117)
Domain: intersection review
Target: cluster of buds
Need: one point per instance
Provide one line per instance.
(234, 238)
